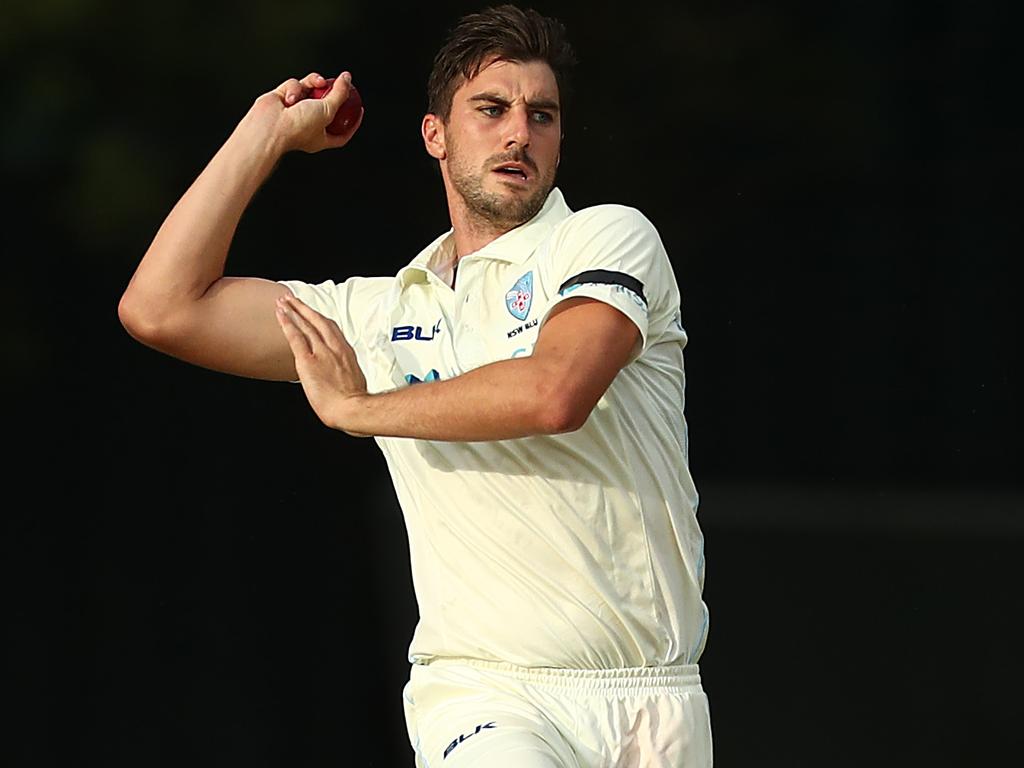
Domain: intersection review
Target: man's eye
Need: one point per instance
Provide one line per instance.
(543, 117)
(495, 113)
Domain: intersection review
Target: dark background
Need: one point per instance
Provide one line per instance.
(200, 573)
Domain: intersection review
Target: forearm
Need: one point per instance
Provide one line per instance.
(190, 249)
(579, 351)
(503, 400)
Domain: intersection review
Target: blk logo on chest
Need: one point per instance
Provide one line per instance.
(524, 327)
(414, 332)
(464, 736)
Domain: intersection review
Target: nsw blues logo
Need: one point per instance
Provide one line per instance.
(518, 299)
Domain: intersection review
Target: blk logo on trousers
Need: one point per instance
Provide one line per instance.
(464, 736)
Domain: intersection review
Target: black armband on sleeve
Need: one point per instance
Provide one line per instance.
(605, 277)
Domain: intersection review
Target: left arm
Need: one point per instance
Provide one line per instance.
(580, 349)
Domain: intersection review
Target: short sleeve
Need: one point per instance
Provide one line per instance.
(358, 305)
(613, 253)
(352, 304)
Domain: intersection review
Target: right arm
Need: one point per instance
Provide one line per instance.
(179, 301)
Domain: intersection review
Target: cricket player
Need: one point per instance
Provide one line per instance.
(523, 376)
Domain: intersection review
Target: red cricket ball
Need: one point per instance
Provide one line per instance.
(347, 113)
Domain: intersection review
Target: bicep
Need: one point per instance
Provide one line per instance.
(584, 344)
(232, 328)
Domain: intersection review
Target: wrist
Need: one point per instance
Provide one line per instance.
(349, 415)
(258, 134)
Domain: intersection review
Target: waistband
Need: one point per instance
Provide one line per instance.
(679, 676)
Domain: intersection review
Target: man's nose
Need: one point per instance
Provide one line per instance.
(517, 127)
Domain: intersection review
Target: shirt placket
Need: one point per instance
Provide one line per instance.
(468, 342)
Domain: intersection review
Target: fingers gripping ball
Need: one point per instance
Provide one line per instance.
(347, 113)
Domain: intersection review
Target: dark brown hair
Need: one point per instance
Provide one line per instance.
(507, 32)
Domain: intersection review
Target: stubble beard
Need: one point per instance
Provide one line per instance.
(500, 212)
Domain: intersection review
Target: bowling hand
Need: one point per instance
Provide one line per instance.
(297, 117)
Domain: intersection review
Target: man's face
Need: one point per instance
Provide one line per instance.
(507, 117)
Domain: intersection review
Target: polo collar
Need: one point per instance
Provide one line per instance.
(515, 246)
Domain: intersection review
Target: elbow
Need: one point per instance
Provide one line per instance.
(138, 319)
(563, 413)
(562, 405)
(132, 319)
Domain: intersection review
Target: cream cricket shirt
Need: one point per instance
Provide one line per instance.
(579, 550)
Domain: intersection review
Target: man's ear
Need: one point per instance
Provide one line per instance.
(433, 136)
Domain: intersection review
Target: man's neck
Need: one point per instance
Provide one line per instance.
(472, 232)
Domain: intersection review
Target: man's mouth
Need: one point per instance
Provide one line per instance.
(514, 171)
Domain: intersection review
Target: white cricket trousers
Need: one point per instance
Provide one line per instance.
(464, 713)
